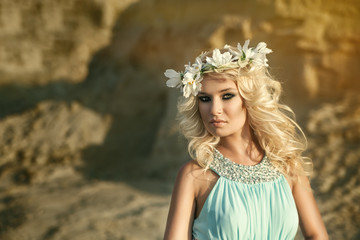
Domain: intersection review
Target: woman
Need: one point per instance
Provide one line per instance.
(248, 179)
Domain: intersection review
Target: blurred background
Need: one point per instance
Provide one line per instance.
(89, 146)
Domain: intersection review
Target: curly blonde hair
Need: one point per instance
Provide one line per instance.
(273, 123)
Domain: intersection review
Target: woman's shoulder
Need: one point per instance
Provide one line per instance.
(192, 173)
(190, 170)
(185, 182)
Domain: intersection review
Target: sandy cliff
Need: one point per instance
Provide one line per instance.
(88, 141)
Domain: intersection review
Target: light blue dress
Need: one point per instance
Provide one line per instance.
(247, 202)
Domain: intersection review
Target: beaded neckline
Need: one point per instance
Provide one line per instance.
(250, 174)
(218, 154)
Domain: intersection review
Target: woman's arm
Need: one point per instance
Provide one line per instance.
(311, 224)
(182, 206)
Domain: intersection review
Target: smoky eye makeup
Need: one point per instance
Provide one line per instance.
(228, 96)
(204, 98)
(225, 96)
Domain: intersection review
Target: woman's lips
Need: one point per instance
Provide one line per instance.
(218, 123)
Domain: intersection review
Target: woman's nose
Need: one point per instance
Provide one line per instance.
(216, 107)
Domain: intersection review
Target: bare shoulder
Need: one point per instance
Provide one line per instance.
(187, 175)
(192, 176)
(192, 171)
(298, 181)
(189, 169)
(302, 182)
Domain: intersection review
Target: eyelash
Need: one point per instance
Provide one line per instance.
(226, 96)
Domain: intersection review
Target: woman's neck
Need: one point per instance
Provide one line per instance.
(242, 148)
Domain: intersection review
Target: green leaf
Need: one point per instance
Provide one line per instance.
(243, 56)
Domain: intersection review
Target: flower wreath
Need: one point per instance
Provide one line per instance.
(189, 81)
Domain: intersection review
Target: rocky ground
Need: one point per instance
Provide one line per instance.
(70, 208)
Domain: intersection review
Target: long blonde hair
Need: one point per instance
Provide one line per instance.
(273, 123)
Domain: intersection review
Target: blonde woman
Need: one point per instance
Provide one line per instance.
(248, 179)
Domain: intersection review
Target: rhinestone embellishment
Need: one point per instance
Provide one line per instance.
(262, 172)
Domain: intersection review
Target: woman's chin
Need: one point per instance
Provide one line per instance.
(218, 132)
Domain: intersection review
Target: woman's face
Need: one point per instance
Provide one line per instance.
(221, 107)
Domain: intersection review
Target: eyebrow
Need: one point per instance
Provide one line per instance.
(223, 90)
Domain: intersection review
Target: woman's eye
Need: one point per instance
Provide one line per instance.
(228, 96)
(204, 98)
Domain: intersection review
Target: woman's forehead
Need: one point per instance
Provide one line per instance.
(217, 81)
(213, 85)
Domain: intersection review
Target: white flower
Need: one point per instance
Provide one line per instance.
(260, 54)
(243, 54)
(219, 59)
(240, 57)
(191, 84)
(195, 68)
(236, 54)
(261, 48)
(260, 60)
(247, 53)
(174, 78)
